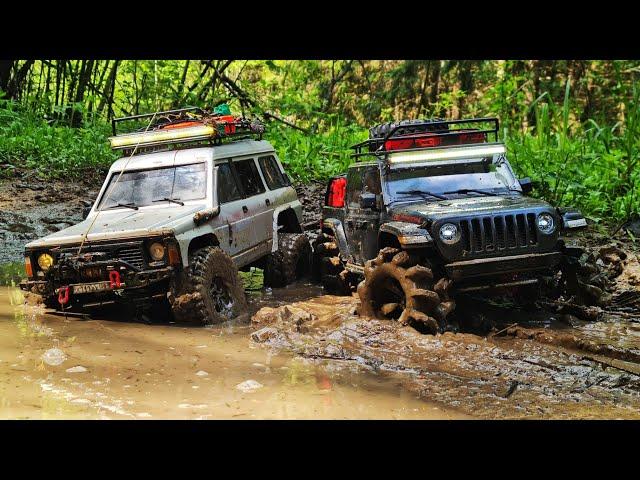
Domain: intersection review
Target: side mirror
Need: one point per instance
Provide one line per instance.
(526, 184)
(86, 208)
(368, 200)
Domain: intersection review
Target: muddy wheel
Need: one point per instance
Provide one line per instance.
(213, 291)
(582, 279)
(329, 269)
(396, 286)
(290, 262)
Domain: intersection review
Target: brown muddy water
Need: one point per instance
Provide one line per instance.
(57, 368)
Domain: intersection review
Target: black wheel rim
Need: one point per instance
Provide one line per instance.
(222, 299)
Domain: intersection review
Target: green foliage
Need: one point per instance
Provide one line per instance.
(572, 125)
(316, 156)
(27, 141)
(591, 167)
(11, 273)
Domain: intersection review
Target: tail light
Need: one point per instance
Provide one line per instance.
(337, 190)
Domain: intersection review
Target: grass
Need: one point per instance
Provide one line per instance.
(11, 273)
(593, 167)
(58, 151)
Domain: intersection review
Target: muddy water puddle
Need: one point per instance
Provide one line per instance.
(57, 368)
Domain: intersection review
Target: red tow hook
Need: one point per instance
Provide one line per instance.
(63, 295)
(114, 279)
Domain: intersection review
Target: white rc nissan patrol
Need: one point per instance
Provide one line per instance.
(195, 197)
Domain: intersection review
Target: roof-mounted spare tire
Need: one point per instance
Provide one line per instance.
(408, 127)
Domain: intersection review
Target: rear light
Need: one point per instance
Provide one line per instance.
(337, 190)
(27, 267)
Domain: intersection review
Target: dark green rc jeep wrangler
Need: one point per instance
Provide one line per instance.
(433, 208)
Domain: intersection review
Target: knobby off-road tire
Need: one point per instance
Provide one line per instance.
(407, 127)
(213, 292)
(291, 262)
(582, 280)
(397, 287)
(329, 269)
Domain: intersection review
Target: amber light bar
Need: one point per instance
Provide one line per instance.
(158, 137)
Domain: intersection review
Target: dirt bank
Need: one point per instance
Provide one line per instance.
(495, 376)
(32, 208)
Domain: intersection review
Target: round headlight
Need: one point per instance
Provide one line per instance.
(449, 233)
(545, 223)
(156, 250)
(45, 261)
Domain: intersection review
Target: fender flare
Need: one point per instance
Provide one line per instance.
(409, 235)
(297, 210)
(337, 229)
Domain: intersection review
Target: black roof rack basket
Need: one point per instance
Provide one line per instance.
(440, 128)
(173, 127)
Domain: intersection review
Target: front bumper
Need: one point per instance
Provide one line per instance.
(131, 285)
(482, 268)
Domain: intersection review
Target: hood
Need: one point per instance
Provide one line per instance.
(124, 223)
(471, 206)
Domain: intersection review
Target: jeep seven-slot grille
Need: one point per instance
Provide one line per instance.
(503, 232)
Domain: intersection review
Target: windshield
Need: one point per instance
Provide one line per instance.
(443, 180)
(152, 187)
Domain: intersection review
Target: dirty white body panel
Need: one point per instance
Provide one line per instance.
(246, 234)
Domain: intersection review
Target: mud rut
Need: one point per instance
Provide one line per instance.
(560, 361)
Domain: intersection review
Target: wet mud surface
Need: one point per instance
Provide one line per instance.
(57, 368)
(31, 209)
(522, 372)
(309, 355)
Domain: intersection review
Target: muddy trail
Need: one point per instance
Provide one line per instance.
(52, 367)
(309, 355)
(33, 208)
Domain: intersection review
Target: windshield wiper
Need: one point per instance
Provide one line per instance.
(132, 206)
(422, 192)
(167, 199)
(473, 190)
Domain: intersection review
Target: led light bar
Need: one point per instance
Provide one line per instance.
(157, 137)
(446, 154)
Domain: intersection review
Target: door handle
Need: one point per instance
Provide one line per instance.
(268, 202)
(245, 209)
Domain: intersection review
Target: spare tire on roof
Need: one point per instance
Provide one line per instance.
(408, 127)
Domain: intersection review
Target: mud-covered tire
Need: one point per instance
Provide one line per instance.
(407, 127)
(329, 269)
(291, 262)
(213, 292)
(582, 280)
(397, 286)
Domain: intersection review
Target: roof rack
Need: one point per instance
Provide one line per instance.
(436, 134)
(183, 126)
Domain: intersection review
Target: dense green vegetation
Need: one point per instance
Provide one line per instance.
(573, 126)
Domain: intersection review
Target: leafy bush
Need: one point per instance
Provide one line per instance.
(27, 141)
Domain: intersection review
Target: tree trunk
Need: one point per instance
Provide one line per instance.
(5, 75)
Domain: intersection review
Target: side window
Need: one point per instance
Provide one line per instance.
(228, 190)
(272, 174)
(372, 181)
(249, 177)
(354, 182)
